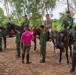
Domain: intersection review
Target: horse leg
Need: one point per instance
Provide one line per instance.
(4, 38)
(35, 44)
(60, 56)
(67, 55)
(53, 43)
(70, 50)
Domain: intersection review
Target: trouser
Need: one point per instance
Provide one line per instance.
(43, 52)
(0, 45)
(26, 48)
(73, 61)
(18, 49)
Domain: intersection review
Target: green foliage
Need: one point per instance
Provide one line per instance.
(56, 24)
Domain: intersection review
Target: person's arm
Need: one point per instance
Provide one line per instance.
(71, 22)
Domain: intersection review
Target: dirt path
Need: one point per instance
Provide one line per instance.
(10, 65)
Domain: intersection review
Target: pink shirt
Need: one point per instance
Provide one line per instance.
(27, 37)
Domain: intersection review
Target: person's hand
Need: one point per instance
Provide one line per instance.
(68, 27)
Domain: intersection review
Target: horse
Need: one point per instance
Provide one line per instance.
(63, 41)
(4, 32)
(37, 31)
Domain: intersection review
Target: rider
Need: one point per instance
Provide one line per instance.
(26, 22)
(68, 23)
(48, 25)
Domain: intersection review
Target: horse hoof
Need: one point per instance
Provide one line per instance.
(59, 62)
(67, 64)
(4, 48)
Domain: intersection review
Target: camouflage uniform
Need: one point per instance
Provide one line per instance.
(48, 26)
(18, 43)
(74, 53)
(68, 22)
(26, 22)
(0, 40)
(43, 44)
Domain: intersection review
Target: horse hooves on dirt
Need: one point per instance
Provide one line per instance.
(4, 48)
(59, 62)
(67, 64)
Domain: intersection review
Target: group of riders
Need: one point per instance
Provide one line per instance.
(27, 37)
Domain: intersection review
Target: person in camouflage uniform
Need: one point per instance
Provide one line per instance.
(26, 22)
(43, 44)
(68, 21)
(0, 40)
(48, 25)
(17, 42)
(67, 24)
(74, 51)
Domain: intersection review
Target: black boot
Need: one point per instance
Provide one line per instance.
(22, 58)
(18, 55)
(0, 49)
(72, 69)
(42, 60)
(27, 59)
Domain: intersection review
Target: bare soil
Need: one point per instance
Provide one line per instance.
(10, 65)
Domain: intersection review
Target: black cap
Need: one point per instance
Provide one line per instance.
(67, 11)
(42, 26)
(75, 28)
(25, 15)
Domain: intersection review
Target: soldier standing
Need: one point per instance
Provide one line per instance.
(17, 42)
(43, 43)
(74, 51)
(0, 40)
(48, 25)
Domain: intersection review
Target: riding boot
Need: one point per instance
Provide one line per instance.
(22, 58)
(27, 59)
(72, 69)
(18, 55)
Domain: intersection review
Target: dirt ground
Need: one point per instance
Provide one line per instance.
(10, 65)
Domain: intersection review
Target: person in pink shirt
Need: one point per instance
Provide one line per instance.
(26, 39)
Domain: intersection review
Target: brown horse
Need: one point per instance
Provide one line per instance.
(37, 31)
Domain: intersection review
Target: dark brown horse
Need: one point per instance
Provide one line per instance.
(4, 30)
(4, 34)
(37, 31)
(63, 41)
